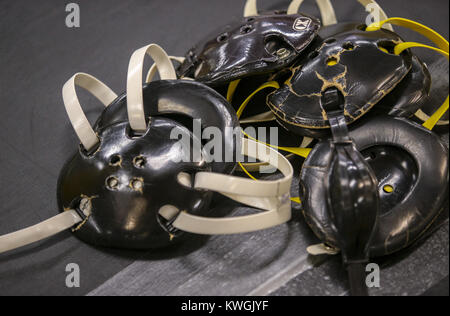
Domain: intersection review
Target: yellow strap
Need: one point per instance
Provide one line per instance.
(399, 48)
(303, 152)
(433, 36)
(271, 84)
(232, 89)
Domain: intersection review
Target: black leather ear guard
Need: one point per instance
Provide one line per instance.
(129, 178)
(127, 181)
(407, 159)
(360, 64)
(255, 45)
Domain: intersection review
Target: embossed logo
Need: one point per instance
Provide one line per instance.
(302, 24)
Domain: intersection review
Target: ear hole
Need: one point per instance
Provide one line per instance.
(332, 61)
(222, 38)
(276, 45)
(348, 46)
(387, 47)
(137, 184)
(112, 183)
(246, 29)
(388, 188)
(139, 162)
(115, 160)
(362, 27)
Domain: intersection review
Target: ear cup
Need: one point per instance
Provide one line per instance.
(411, 166)
(255, 45)
(341, 57)
(128, 180)
(193, 100)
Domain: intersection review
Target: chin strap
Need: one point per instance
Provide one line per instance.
(48, 228)
(326, 10)
(353, 200)
(273, 197)
(442, 48)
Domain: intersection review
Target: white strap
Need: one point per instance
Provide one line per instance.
(40, 231)
(325, 7)
(271, 196)
(76, 115)
(328, 14)
(154, 68)
(135, 100)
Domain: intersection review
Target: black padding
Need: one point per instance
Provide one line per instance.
(248, 47)
(348, 58)
(409, 95)
(410, 158)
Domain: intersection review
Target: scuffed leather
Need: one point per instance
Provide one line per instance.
(363, 73)
(243, 48)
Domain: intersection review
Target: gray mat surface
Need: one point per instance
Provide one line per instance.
(38, 53)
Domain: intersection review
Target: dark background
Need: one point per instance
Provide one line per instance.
(38, 53)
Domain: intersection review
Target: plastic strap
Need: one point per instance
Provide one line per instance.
(232, 89)
(135, 99)
(76, 115)
(251, 8)
(40, 231)
(271, 196)
(259, 118)
(325, 7)
(154, 68)
(443, 48)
